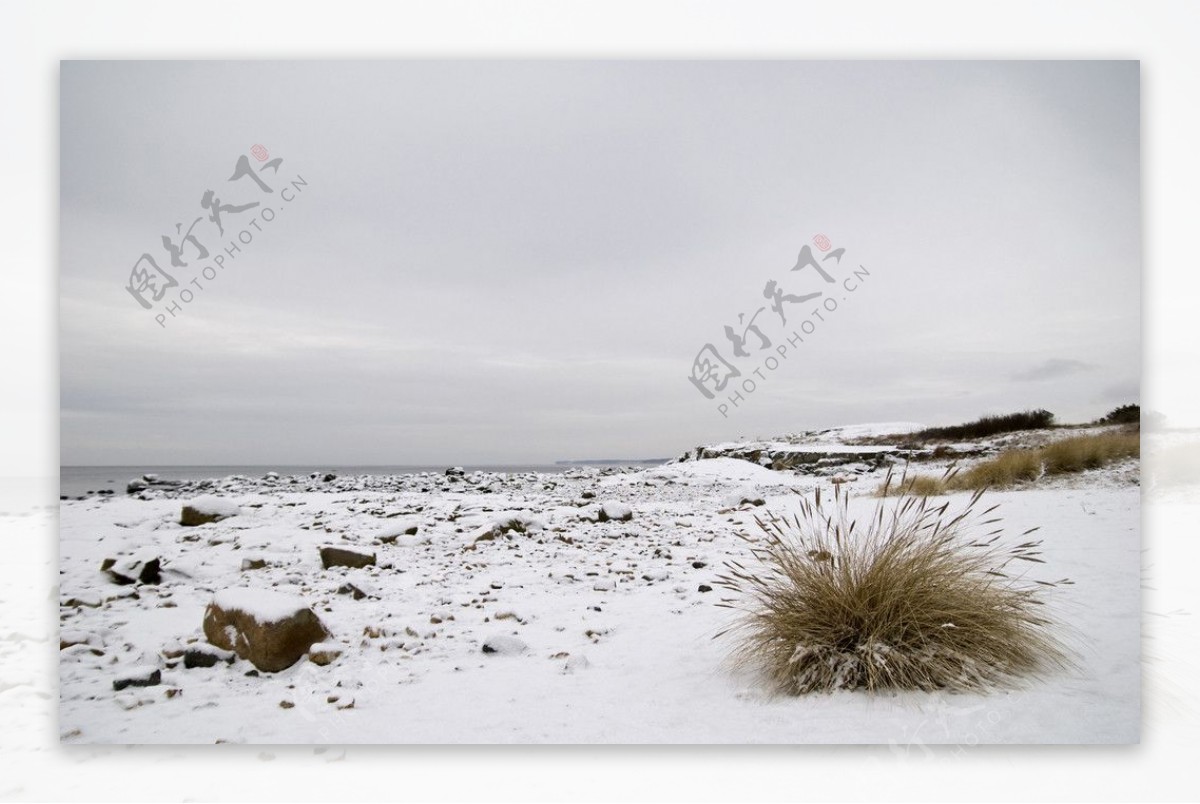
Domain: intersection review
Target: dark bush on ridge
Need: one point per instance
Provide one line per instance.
(1126, 414)
(991, 425)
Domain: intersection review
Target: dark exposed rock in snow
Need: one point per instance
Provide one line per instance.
(138, 677)
(324, 653)
(503, 645)
(201, 655)
(619, 512)
(343, 557)
(133, 570)
(205, 510)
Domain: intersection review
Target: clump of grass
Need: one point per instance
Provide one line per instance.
(916, 485)
(1006, 469)
(1014, 466)
(1089, 452)
(916, 599)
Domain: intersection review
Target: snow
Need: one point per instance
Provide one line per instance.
(504, 645)
(618, 639)
(263, 605)
(724, 470)
(803, 446)
(396, 529)
(214, 506)
(871, 430)
(616, 510)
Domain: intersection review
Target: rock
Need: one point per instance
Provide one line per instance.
(342, 557)
(269, 629)
(149, 478)
(588, 495)
(329, 477)
(456, 471)
(704, 588)
(67, 639)
(615, 511)
(134, 486)
(206, 509)
(389, 535)
(173, 650)
(655, 575)
(504, 645)
(202, 655)
(133, 570)
(89, 599)
(352, 590)
(324, 653)
(144, 676)
(253, 564)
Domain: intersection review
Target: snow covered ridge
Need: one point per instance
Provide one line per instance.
(498, 608)
(862, 449)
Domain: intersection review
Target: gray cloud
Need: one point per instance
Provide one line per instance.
(1053, 369)
(518, 261)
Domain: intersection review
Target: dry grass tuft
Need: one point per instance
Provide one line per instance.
(914, 600)
(1006, 469)
(1015, 466)
(916, 485)
(1090, 452)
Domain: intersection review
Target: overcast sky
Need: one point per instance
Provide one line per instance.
(507, 262)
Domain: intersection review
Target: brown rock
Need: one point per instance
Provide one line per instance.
(269, 630)
(190, 517)
(322, 655)
(341, 557)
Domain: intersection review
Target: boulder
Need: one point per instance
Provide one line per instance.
(269, 629)
(343, 557)
(136, 485)
(249, 564)
(135, 569)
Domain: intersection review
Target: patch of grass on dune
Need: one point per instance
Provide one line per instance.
(1016, 466)
(1090, 452)
(1006, 469)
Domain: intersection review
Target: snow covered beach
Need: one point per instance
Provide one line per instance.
(570, 608)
